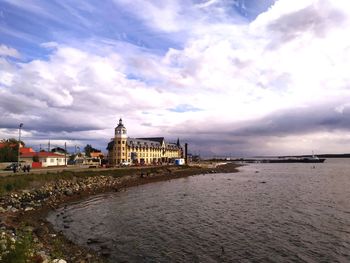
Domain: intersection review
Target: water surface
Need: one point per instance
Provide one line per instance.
(265, 213)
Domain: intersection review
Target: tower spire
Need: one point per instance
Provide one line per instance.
(120, 129)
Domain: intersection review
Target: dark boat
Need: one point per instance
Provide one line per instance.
(312, 159)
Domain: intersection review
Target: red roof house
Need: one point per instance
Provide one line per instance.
(46, 158)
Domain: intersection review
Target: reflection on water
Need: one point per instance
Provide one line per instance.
(265, 213)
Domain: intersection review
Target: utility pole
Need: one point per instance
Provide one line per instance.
(65, 154)
(19, 144)
(48, 146)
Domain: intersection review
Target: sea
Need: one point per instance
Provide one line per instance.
(292, 212)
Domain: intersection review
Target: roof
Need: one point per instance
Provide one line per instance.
(96, 154)
(120, 124)
(153, 139)
(24, 150)
(40, 155)
(145, 142)
(11, 145)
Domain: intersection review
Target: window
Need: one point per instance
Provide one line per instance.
(123, 142)
(52, 160)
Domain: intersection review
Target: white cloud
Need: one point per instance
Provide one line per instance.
(163, 15)
(232, 72)
(6, 51)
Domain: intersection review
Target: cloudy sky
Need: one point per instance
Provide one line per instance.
(229, 77)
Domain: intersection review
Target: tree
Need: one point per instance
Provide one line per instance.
(9, 150)
(58, 149)
(89, 149)
(12, 141)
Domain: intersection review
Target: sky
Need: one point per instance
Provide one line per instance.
(229, 77)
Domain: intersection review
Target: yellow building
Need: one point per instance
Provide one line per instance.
(154, 150)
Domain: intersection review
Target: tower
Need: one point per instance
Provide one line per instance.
(120, 140)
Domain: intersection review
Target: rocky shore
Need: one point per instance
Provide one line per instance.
(26, 236)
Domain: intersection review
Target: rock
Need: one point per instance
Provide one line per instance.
(3, 246)
(45, 258)
(68, 192)
(93, 241)
(2, 210)
(13, 209)
(106, 254)
(28, 208)
(41, 231)
(59, 261)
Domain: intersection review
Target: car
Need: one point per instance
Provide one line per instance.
(10, 167)
(125, 164)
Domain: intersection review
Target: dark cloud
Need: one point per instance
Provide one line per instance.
(253, 137)
(52, 122)
(317, 19)
(13, 104)
(297, 121)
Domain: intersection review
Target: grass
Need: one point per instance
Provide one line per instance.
(58, 247)
(21, 251)
(26, 181)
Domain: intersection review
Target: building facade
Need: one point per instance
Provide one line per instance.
(45, 159)
(123, 149)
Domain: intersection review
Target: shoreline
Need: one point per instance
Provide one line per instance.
(52, 246)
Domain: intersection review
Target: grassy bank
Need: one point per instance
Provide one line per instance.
(22, 181)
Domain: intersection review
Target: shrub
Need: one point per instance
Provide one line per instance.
(21, 251)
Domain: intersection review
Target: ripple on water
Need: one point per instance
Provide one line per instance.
(298, 214)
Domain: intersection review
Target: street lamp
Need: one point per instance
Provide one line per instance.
(19, 144)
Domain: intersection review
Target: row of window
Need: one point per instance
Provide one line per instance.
(145, 148)
(52, 160)
(147, 160)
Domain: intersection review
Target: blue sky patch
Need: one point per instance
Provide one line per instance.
(181, 108)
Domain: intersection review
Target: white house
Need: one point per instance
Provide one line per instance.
(45, 158)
